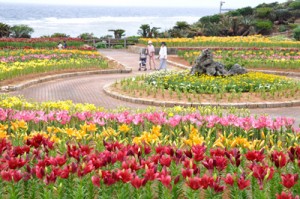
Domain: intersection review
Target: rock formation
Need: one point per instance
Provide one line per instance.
(205, 64)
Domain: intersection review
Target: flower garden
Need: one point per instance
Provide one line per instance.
(34, 56)
(181, 86)
(51, 152)
(66, 150)
(269, 58)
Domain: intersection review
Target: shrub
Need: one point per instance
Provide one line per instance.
(282, 28)
(245, 11)
(297, 33)
(295, 5)
(21, 31)
(263, 26)
(59, 35)
(211, 19)
(100, 45)
(263, 12)
(4, 30)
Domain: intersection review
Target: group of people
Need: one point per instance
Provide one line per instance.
(62, 45)
(162, 56)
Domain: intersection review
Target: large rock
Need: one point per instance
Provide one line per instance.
(236, 69)
(205, 64)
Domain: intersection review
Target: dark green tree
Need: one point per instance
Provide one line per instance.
(144, 30)
(4, 30)
(21, 31)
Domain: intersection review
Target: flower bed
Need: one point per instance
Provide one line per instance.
(38, 42)
(236, 41)
(251, 58)
(251, 87)
(15, 63)
(73, 154)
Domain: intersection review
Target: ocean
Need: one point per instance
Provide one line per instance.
(74, 20)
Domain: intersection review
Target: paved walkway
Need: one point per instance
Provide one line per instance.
(89, 89)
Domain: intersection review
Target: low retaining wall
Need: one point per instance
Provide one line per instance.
(153, 102)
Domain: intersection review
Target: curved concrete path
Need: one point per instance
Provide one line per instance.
(89, 89)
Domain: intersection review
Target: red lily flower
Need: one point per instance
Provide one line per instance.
(217, 152)
(165, 160)
(39, 172)
(242, 182)
(189, 164)
(137, 182)
(147, 149)
(64, 173)
(229, 179)
(96, 181)
(279, 158)
(209, 163)
(206, 181)
(150, 174)
(124, 175)
(234, 156)
(194, 183)
(17, 175)
(166, 181)
(20, 150)
(221, 163)
(187, 172)
(6, 175)
(61, 160)
(262, 173)
(217, 187)
(198, 152)
(289, 180)
(257, 156)
(284, 195)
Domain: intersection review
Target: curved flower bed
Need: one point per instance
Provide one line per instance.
(236, 41)
(14, 63)
(38, 42)
(252, 58)
(252, 81)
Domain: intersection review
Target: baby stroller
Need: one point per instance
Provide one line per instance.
(143, 60)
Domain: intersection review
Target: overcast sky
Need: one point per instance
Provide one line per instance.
(152, 3)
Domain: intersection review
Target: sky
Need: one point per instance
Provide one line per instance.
(152, 3)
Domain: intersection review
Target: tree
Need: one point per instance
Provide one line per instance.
(118, 33)
(144, 30)
(57, 34)
(86, 36)
(4, 30)
(21, 31)
(153, 32)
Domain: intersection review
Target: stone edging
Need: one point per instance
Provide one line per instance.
(290, 74)
(23, 85)
(249, 105)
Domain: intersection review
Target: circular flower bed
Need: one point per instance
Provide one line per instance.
(253, 81)
(177, 86)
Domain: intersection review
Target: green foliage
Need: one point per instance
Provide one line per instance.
(263, 26)
(211, 19)
(297, 33)
(144, 30)
(263, 12)
(59, 35)
(246, 11)
(21, 31)
(282, 28)
(4, 30)
(86, 36)
(118, 33)
(100, 45)
(295, 5)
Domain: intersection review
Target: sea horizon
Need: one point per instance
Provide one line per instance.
(74, 20)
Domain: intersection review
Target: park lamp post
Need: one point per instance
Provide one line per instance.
(221, 4)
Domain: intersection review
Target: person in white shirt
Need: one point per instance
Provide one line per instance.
(151, 54)
(163, 56)
(59, 46)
